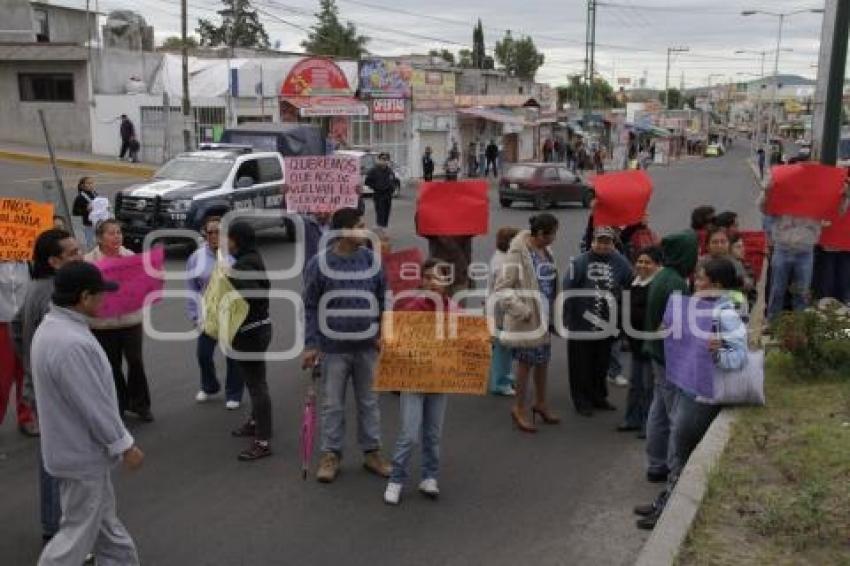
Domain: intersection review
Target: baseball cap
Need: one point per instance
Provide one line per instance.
(604, 232)
(78, 276)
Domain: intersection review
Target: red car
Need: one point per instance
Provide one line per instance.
(543, 185)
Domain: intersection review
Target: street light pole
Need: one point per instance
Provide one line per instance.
(772, 117)
(670, 50)
(184, 54)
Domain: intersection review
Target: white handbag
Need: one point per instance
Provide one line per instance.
(743, 386)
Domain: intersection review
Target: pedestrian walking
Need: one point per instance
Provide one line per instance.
(82, 207)
(347, 346)
(83, 435)
(761, 158)
(199, 270)
(452, 166)
(427, 165)
(501, 370)
(471, 161)
(127, 131)
(122, 337)
(604, 272)
(53, 250)
(548, 148)
(382, 181)
(491, 153)
(482, 158)
(641, 382)
(252, 339)
(526, 290)
(14, 281)
(680, 258)
(422, 414)
(728, 347)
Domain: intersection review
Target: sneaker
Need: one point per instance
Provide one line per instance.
(392, 495)
(656, 477)
(258, 449)
(247, 430)
(202, 397)
(505, 392)
(377, 464)
(231, 405)
(328, 467)
(429, 488)
(648, 523)
(619, 381)
(644, 510)
(29, 428)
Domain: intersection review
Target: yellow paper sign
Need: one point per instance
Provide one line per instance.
(21, 221)
(432, 352)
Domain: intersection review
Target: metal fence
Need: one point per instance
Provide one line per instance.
(161, 130)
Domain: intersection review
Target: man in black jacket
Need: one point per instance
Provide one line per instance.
(427, 165)
(491, 154)
(381, 180)
(128, 132)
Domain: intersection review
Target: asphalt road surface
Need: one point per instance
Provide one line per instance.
(563, 496)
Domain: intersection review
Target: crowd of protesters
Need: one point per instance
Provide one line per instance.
(51, 334)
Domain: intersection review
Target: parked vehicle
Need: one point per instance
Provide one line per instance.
(286, 139)
(198, 184)
(714, 150)
(543, 185)
(367, 161)
(844, 152)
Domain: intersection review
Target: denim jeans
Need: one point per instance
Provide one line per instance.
(48, 491)
(501, 368)
(616, 367)
(794, 267)
(660, 432)
(692, 420)
(89, 236)
(421, 415)
(832, 275)
(336, 370)
(234, 385)
(641, 386)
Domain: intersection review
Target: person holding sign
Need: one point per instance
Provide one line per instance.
(248, 277)
(121, 337)
(347, 344)
(199, 269)
(526, 289)
(422, 414)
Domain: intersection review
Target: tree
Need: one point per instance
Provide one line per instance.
(329, 36)
(240, 27)
(175, 43)
(479, 53)
(519, 57)
(465, 59)
(443, 54)
(575, 90)
(674, 97)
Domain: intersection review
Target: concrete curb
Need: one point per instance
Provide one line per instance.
(129, 169)
(669, 534)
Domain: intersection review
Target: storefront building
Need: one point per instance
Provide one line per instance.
(433, 122)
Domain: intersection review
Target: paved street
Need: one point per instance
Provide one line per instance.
(561, 497)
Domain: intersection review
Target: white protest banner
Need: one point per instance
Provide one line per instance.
(321, 183)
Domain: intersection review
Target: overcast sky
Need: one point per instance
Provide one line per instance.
(633, 35)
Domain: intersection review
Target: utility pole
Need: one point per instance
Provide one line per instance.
(670, 51)
(829, 91)
(184, 52)
(589, 56)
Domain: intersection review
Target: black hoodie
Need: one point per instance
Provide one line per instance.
(249, 272)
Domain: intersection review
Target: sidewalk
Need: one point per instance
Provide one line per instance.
(75, 160)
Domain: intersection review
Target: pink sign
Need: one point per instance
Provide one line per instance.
(321, 183)
(137, 276)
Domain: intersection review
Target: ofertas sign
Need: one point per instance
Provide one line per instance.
(388, 110)
(321, 183)
(21, 221)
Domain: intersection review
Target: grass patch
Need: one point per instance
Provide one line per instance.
(781, 493)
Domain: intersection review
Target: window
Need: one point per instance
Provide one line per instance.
(42, 30)
(567, 176)
(551, 174)
(247, 169)
(270, 170)
(46, 87)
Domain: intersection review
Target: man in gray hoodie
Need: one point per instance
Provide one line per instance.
(82, 435)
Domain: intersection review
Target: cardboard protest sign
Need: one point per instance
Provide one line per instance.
(134, 280)
(223, 312)
(453, 208)
(402, 269)
(417, 357)
(321, 183)
(621, 198)
(836, 236)
(806, 190)
(21, 221)
(689, 363)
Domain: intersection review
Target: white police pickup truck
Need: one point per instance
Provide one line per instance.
(198, 184)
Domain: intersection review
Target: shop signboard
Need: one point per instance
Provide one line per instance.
(433, 90)
(385, 110)
(385, 79)
(315, 76)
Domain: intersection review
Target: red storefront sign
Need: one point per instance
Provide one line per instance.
(315, 77)
(388, 110)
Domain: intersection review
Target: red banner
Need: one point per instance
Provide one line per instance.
(806, 190)
(453, 208)
(402, 269)
(621, 198)
(836, 236)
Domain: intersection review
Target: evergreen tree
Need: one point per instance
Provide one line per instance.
(331, 37)
(240, 27)
(479, 53)
(519, 57)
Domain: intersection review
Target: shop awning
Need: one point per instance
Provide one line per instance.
(316, 106)
(493, 115)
